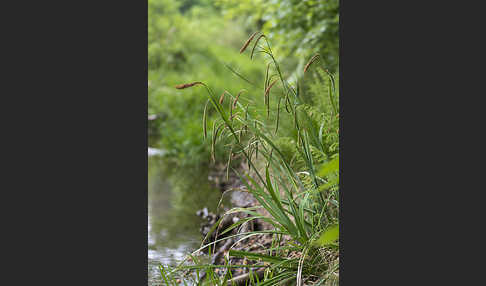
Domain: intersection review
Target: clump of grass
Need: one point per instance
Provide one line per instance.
(300, 196)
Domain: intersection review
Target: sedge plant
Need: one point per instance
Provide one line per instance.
(291, 146)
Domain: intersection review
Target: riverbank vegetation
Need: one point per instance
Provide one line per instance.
(201, 39)
(269, 113)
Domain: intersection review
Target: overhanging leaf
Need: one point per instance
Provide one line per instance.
(329, 236)
(332, 166)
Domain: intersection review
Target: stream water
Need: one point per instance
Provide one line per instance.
(174, 196)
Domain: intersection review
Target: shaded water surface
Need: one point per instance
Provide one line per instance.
(174, 196)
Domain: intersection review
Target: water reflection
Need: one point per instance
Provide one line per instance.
(174, 196)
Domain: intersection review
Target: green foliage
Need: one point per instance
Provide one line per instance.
(179, 51)
(329, 236)
(302, 197)
(332, 166)
(286, 128)
(189, 40)
(300, 28)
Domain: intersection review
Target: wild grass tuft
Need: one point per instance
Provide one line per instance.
(295, 179)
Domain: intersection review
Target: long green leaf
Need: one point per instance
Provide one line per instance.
(330, 235)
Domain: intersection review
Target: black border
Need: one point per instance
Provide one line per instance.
(74, 187)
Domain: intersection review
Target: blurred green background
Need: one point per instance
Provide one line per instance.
(193, 40)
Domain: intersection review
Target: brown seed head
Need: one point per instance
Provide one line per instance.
(237, 96)
(186, 85)
(269, 87)
(313, 59)
(248, 42)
